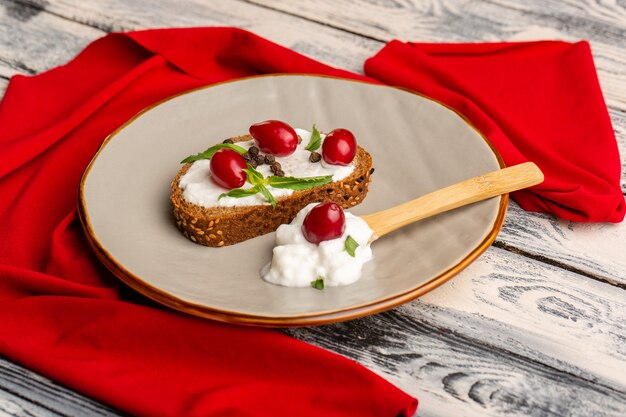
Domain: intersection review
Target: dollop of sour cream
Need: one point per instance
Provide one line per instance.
(200, 189)
(297, 262)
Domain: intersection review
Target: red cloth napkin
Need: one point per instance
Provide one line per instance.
(535, 101)
(63, 315)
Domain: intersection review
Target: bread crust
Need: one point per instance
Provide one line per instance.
(223, 226)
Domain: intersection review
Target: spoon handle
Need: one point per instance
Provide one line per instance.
(463, 193)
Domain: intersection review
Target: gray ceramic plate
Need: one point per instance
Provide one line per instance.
(417, 146)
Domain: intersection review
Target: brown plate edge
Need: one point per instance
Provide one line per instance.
(313, 319)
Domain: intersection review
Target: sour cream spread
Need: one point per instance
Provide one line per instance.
(200, 189)
(297, 262)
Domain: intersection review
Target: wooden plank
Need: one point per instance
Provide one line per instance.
(3, 85)
(539, 311)
(454, 351)
(618, 118)
(454, 376)
(293, 33)
(505, 337)
(595, 250)
(460, 21)
(32, 41)
(25, 394)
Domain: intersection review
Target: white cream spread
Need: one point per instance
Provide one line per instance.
(199, 188)
(297, 262)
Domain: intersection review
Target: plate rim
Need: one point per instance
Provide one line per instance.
(310, 319)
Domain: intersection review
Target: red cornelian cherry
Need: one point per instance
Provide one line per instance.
(325, 221)
(227, 169)
(275, 137)
(339, 147)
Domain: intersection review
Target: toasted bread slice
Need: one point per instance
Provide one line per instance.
(223, 226)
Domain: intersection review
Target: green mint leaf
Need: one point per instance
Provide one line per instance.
(208, 154)
(318, 284)
(316, 140)
(240, 192)
(256, 179)
(294, 183)
(266, 193)
(351, 246)
(254, 176)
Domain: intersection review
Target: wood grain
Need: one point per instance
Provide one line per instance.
(33, 41)
(505, 337)
(3, 85)
(454, 376)
(293, 33)
(539, 311)
(618, 117)
(520, 332)
(470, 191)
(595, 250)
(25, 394)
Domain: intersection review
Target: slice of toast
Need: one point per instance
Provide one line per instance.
(222, 226)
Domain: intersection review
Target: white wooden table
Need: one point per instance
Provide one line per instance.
(536, 326)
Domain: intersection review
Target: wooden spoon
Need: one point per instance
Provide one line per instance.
(463, 193)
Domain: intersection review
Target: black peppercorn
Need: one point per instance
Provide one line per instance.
(252, 163)
(360, 179)
(228, 141)
(315, 157)
(259, 159)
(253, 151)
(246, 157)
(346, 197)
(269, 159)
(280, 173)
(275, 167)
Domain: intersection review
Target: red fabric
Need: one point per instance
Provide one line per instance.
(63, 315)
(535, 101)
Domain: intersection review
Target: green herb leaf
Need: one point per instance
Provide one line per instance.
(351, 246)
(254, 176)
(316, 140)
(256, 179)
(318, 284)
(240, 192)
(208, 154)
(294, 183)
(266, 193)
